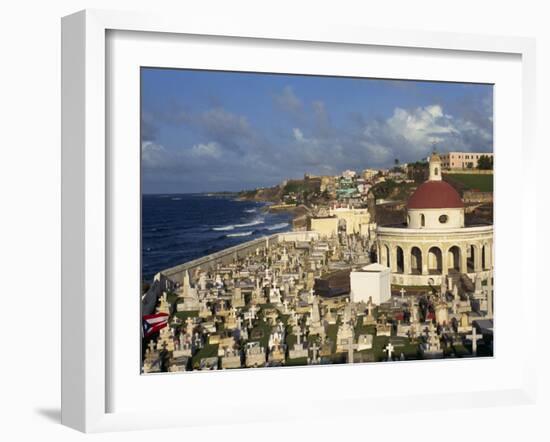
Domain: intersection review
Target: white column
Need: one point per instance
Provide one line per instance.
(477, 258)
(425, 256)
(444, 261)
(393, 259)
(383, 255)
(407, 261)
(463, 260)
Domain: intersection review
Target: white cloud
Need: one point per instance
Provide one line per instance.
(410, 134)
(288, 101)
(211, 150)
(422, 126)
(376, 153)
(298, 134)
(153, 154)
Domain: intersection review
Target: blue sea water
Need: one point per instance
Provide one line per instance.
(179, 228)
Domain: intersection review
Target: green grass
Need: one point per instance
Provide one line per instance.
(412, 288)
(293, 362)
(362, 329)
(461, 351)
(300, 186)
(291, 340)
(171, 297)
(483, 183)
(332, 332)
(266, 332)
(208, 351)
(184, 315)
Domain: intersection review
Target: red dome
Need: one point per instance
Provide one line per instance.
(435, 195)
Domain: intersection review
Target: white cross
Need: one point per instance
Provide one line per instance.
(293, 317)
(253, 311)
(285, 305)
(314, 350)
(351, 347)
(474, 337)
(152, 346)
(249, 315)
(402, 291)
(239, 322)
(298, 334)
(389, 349)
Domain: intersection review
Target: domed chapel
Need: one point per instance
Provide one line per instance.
(435, 241)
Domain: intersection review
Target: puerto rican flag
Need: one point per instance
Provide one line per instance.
(153, 323)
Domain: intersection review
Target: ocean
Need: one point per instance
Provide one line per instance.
(179, 228)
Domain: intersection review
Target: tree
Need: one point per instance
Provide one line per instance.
(485, 162)
(417, 171)
(396, 161)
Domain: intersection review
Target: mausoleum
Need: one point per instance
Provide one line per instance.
(371, 281)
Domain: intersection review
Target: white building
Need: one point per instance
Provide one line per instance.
(462, 160)
(372, 281)
(349, 174)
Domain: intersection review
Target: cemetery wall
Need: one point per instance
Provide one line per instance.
(165, 279)
(227, 256)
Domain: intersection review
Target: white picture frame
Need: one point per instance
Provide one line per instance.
(87, 210)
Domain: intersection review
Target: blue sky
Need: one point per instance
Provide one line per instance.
(204, 131)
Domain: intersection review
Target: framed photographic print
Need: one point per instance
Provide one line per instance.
(253, 214)
(264, 246)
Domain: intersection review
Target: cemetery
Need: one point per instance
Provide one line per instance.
(262, 311)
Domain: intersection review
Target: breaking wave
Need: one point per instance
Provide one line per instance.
(219, 229)
(251, 223)
(231, 235)
(277, 226)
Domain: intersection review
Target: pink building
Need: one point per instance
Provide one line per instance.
(461, 160)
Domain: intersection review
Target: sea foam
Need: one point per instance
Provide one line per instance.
(277, 226)
(218, 229)
(251, 223)
(231, 235)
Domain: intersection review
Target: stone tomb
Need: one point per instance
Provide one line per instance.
(179, 364)
(210, 363)
(255, 355)
(364, 342)
(383, 328)
(231, 358)
(277, 354)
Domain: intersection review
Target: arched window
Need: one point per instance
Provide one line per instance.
(435, 261)
(386, 252)
(422, 220)
(454, 259)
(400, 260)
(436, 171)
(416, 261)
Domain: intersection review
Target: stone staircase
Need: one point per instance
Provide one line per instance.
(467, 284)
(464, 283)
